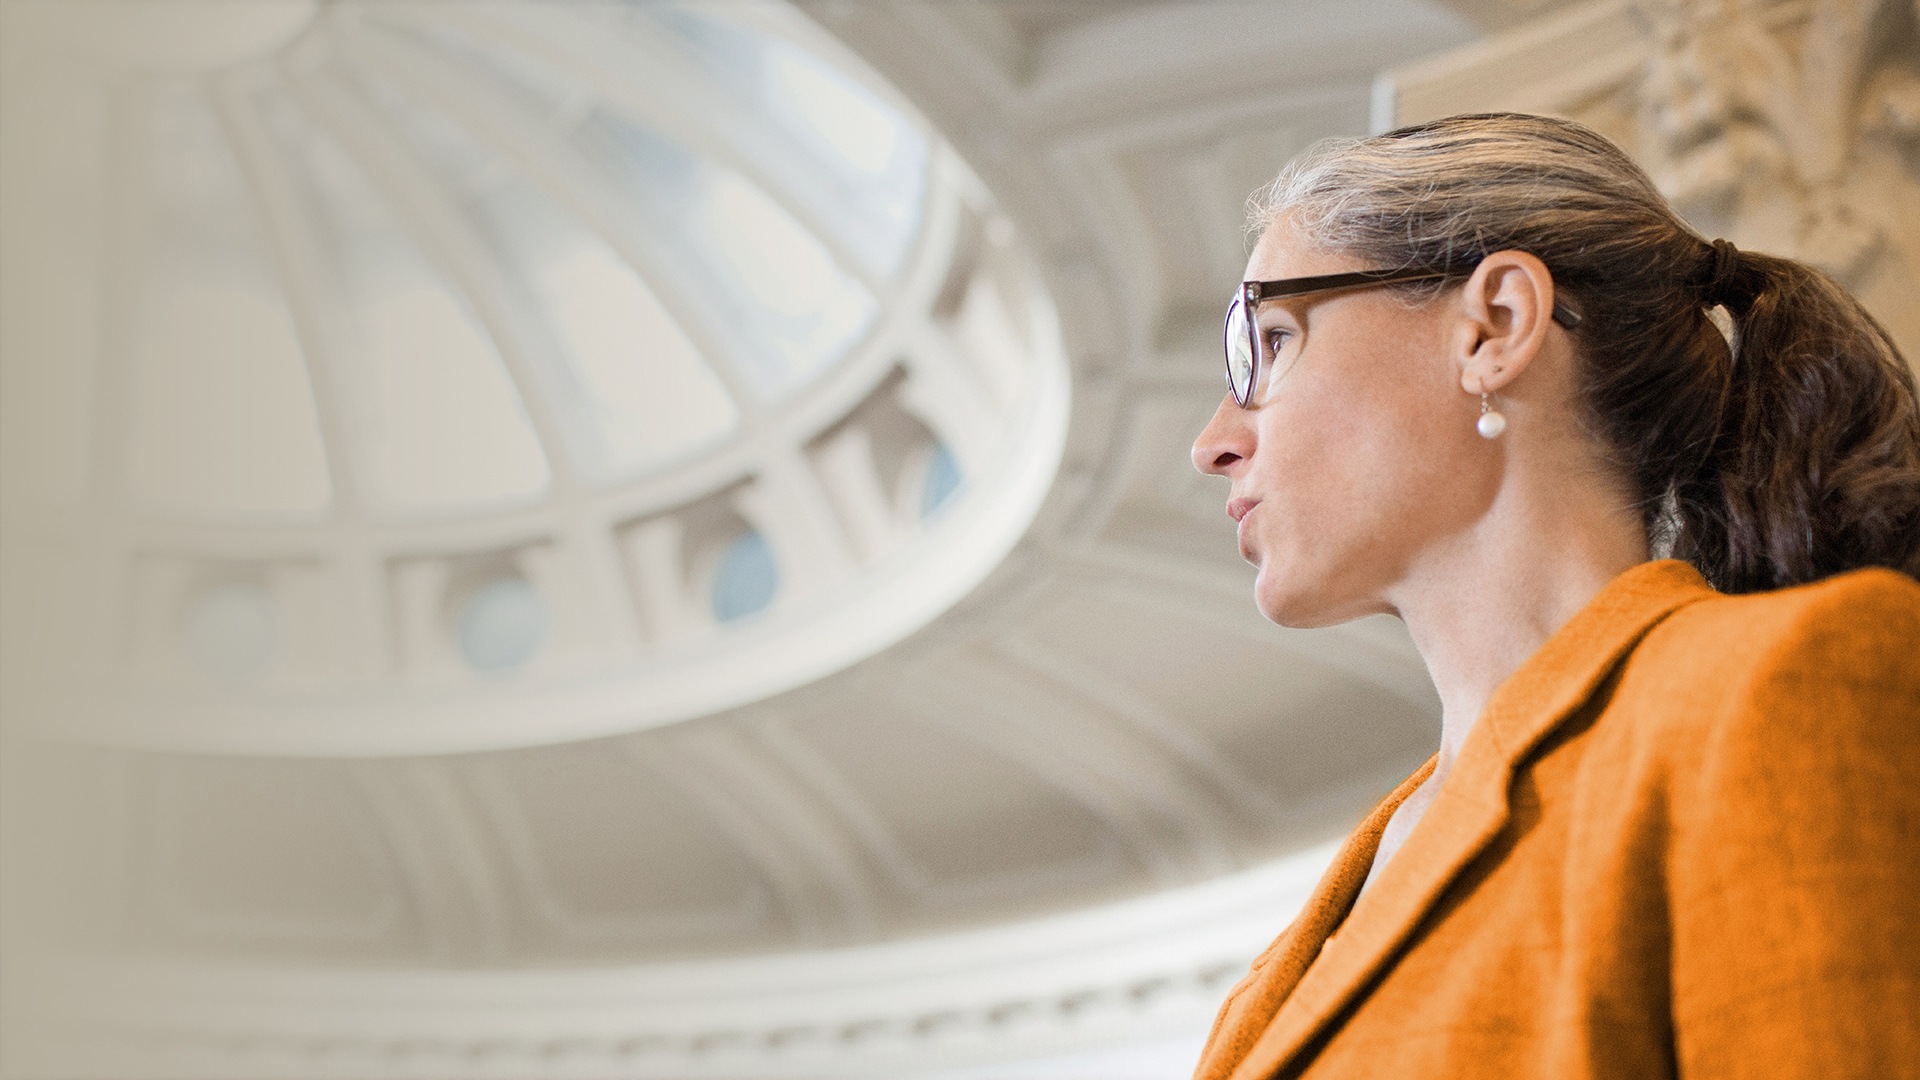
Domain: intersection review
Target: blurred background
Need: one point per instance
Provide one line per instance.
(633, 538)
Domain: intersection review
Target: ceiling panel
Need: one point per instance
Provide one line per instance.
(610, 854)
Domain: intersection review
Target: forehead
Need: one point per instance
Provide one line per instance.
(1282, 252)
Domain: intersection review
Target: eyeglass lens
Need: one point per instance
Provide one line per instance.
(1241, 367)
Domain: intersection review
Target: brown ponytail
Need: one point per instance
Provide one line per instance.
(1788, 455)
(1816, 465)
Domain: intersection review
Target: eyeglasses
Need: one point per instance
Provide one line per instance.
(1244, 345)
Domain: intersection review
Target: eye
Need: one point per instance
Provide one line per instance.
(1275, 338)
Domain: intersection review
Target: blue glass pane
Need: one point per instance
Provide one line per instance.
(746, 579)
(232, 631)
(661, 174)
(729, 52)
(943, 479)
(502, 624)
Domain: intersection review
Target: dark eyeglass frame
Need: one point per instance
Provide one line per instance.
(1252, 292)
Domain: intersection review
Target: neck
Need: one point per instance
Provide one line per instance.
(1478, 609)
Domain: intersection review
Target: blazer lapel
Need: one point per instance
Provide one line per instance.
(1251, 1005)
(1471, 807)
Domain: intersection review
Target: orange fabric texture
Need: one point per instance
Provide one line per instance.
(1683, 840)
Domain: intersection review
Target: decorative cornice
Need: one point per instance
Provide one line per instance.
(1108, 975)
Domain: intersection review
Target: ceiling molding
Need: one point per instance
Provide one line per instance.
(1130, 970)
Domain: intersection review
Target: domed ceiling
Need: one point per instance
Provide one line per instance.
(637, 359)
(570, 493)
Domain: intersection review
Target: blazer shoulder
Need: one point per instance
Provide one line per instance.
(1872, 608)
(1849, 644)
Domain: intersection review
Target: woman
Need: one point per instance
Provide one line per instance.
(1672, 828)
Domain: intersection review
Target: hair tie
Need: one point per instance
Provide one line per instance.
(1726, 264)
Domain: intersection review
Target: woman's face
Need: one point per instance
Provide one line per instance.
(1357, 461)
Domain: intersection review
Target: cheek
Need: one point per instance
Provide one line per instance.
(1333, 425)
(1370, 460)
(1313, 466)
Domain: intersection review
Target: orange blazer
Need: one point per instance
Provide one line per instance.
(1683, 840)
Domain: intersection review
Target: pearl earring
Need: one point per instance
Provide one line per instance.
(1491, 422)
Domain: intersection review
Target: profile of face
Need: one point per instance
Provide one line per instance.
(1357, 464)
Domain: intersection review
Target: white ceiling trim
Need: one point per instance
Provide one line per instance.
(1155, 966)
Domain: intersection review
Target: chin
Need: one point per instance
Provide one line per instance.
(1301, 602)
(1280, 598)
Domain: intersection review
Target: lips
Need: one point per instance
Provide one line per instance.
(1237, 508)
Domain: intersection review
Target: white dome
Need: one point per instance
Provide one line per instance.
(644, 358)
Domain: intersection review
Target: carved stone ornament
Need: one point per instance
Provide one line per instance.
(1787, 126)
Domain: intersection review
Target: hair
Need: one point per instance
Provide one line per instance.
(1786, 454)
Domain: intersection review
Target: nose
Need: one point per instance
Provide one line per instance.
(1225, 441)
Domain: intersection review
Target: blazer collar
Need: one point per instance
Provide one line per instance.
(1470, 809)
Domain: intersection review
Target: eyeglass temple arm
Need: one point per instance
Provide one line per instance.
(1268, 290)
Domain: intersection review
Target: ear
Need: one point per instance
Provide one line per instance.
(1506, 307)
